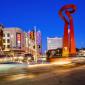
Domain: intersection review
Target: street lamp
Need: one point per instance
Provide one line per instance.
(35, 57)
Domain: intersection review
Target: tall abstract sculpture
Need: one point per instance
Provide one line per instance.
(69, 47)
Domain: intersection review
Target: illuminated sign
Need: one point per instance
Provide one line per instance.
(32, 35)
(18, 40)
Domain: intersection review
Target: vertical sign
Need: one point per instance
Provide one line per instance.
(32, 36)
(18, 40)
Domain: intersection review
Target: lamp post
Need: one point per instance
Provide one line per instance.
(35, 57)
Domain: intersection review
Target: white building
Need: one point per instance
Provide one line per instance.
(81, 52)
(54, 43)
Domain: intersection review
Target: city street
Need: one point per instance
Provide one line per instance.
(42, 42)
(45, 74)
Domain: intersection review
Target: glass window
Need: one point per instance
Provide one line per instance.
(8, 40)
(4, 40)
(8, 46)
(4, 46)
(8, 35)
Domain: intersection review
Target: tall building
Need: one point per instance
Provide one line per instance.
(35, 38)
(29, 44)
(54, 43)
(13, 40)
(39, 42)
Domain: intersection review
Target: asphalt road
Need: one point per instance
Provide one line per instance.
(45, 75)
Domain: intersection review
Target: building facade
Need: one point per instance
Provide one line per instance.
(39, 42)
(35, 42)
(54, 43)
(13, 39)
(29, 44)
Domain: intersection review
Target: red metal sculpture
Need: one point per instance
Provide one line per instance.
(69, 47)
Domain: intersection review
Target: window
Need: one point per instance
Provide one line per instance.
(8, 35)
(4, 40)
(8, 46)
(4, 46)
(3, 35)
(8, 40)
